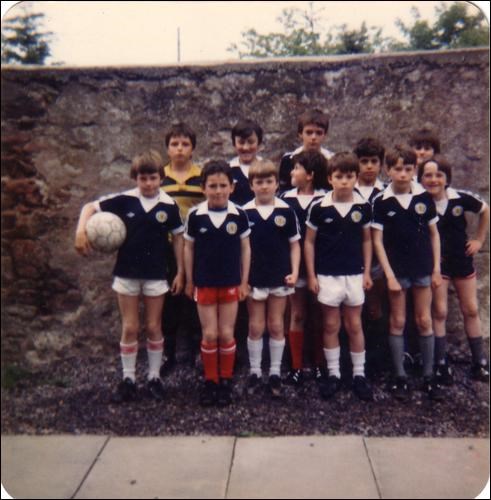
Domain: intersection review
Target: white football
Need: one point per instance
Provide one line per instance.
(106, 232)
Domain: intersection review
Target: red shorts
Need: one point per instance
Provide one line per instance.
(207, 296)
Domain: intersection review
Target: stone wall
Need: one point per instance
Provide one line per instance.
(68, 136)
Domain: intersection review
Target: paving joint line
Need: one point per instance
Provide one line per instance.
(371, 468)
(230, 468)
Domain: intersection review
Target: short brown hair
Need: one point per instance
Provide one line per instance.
(149, 162)
(313, 117)
(344, 162)
(425, 137)
(406, 153)
(261, 169)
(180, 129)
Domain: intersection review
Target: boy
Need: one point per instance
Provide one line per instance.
(275, 260)
(247, 136)
(182, 182)
(312, 131)
(217, 260)
(371, 153)
(425, 144)
(407, 244)
(149, 215)
(338, 254)
(458, 251)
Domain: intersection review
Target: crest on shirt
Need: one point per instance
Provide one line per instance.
(356, 216)
(328, 220)
(279, 220)
(457, 211)
(231, 228)
(161, 216)
(420, 208)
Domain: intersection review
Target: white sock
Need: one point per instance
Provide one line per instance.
(276, 348)
(358, 360)
(332, 357)
(255, 349)
(128, 359)
(155, 348)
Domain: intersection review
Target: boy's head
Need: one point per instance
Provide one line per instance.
(149, 162)
(370, 153)
(247, 136)
(400, 153)
(342, 172)
(425, 143)
(216, 167)
(180, 130)
(264, 179)
(309, 166)
(438, 162)
(312, 129)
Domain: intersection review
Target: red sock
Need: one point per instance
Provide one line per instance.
(227, 359)
(296, 349)
(209, 355)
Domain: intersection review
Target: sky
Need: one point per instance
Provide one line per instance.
(98, 33)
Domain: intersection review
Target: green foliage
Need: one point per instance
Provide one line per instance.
(454, 27)
(13, 374)
(22, 40)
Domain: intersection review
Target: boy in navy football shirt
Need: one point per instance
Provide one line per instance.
(275, 260)
(247, 137)
(217, 261)
(141, 266)
(312, 131)
(309, 180)
(338, 254)
(435, 176)
(407, 244)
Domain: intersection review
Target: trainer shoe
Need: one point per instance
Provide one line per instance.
(329, 386)
(208, 396)
(433, 389)
(294, 377)
(125, 392)
(480, 372)
(400, 388)
(274, 384)
(224, 397)
(252, 385)
(156, 390)
(362, 389)
(320, 374)
(444, 374)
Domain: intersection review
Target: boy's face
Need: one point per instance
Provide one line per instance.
(401, 174)
(148, 184)
(246, 148)
(342, 183)
(369, 169)
(434, 180)
(180, 149)
(217, 190)
(300, 177)
(264, 188)
(312, 137)
(423, 152)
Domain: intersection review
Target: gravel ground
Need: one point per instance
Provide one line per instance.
(74, 396)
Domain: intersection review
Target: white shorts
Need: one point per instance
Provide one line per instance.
(133, 287)
(337, 290)
(301, 283)
(264, 293)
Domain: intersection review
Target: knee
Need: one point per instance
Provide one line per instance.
(130, 329)
(440, 313)
(423, 322)
(470, 311)
(397, 322)
(275, 328)
(297, 319)
(154, 329)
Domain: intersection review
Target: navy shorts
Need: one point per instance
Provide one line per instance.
(455, 269)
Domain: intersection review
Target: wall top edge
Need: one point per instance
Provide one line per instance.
(235, 64)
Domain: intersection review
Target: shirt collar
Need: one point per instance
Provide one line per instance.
(378, 185)
(293, 193)
(203, 209)
(325, 152)
(327, 200)
(452, 194)
(194, 171)
(415, 189)
(277, 203)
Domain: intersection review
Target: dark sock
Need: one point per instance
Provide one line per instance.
(440, 350)
(477, 350)
(396, 343)
(427, 348)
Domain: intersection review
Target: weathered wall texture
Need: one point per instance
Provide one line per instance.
(68, 136)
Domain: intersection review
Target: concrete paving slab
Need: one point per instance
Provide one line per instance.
(301, 467)
(47, 466)
(429, 467)
(161, 467)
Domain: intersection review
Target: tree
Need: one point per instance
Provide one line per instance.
(454, 28)
(22, 40)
